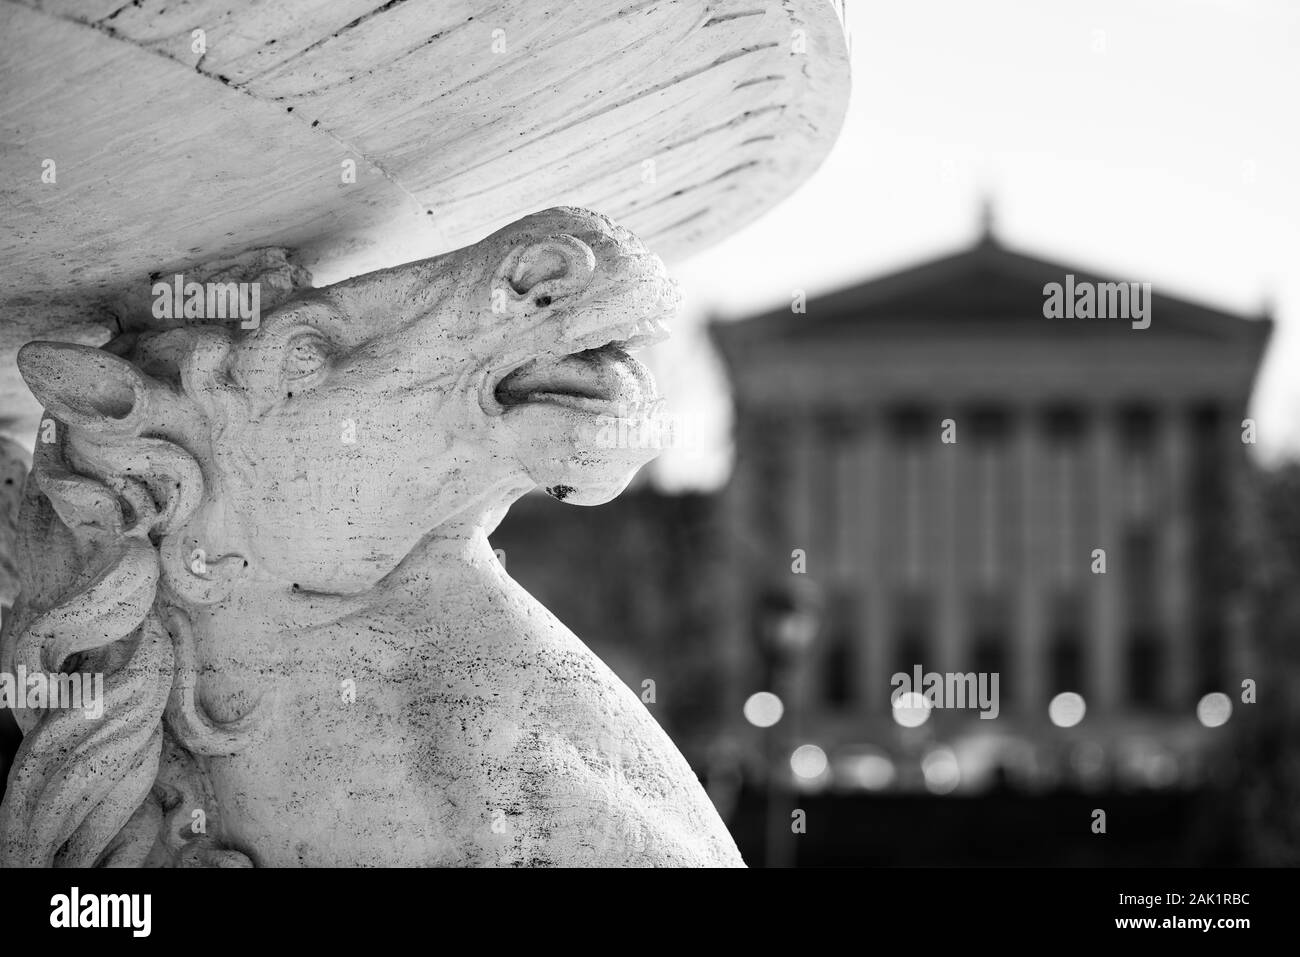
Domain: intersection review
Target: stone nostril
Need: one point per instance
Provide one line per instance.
(542, 301)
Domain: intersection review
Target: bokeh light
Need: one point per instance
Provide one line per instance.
(808, 761)
(871, 771)
(1066, 709)
(763, 709)
(942, 773)
(912, 710)
(1088, 762)
(1214, 709)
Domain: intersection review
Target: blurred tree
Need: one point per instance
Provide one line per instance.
(1270, 759)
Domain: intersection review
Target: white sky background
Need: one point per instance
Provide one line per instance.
(1153, 140)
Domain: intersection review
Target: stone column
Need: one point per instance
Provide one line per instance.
(846, 587)
(869, 569)
(825, 478)
(1175, 557)
(1030, 646)
(1105, 660)
(950, 631)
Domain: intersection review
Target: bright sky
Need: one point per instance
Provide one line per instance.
(1154, 140)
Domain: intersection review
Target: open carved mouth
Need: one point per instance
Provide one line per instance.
(600, 376)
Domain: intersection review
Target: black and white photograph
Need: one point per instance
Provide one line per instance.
(850, 437)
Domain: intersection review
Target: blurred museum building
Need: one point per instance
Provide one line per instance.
(959, 469)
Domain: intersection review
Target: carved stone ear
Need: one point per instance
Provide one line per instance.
(546, 270)
(85, 387)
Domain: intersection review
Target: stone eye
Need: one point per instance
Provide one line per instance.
(542, 301)
(306, 357)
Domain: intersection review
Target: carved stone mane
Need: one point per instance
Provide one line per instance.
(271, 542)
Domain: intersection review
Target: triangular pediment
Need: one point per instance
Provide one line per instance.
(984, 284)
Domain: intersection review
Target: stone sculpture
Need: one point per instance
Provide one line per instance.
(272, 542)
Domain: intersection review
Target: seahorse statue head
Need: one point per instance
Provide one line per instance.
(317, 448)
(362, 415)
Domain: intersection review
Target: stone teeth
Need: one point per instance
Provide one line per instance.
(630, 335)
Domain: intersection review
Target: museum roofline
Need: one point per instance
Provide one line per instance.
(986, 281)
